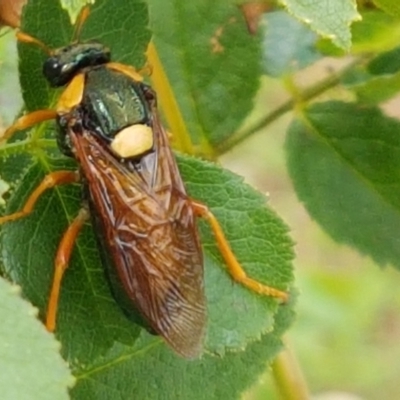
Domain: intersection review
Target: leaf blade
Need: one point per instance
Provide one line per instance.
(343, 161)
(202, 46)
(26, 348)
(329, 19)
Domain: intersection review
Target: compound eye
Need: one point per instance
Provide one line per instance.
(52, 65)
(51, 69)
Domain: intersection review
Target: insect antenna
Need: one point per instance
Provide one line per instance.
(25, 38)
(83, 15)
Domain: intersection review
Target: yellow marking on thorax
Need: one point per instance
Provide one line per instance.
(72, 95)
(133, 141)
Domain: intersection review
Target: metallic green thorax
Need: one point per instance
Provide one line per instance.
(111, 102)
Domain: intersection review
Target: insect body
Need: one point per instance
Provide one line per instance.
(108, 121)
(140, 204)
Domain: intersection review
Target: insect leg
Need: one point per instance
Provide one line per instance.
(61, 264)
(234, 268)
(70, 98)
(26, 121)
(49, 181)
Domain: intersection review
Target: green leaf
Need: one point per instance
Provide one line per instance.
(26, 351)
(376, 32)
(392, 7)
(288, 44)
(344, 161)
(74, 7)
(213, 62)
(385, 63)
(330, 19)
(156, 376)
(377, 89)
(4, 188)
(11, 100)
(36, 92)
(378, 81)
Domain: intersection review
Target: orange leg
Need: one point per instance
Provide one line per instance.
(70, 98)
(234, 268)
(49, 181)
(126, 69)
(61, 264)
(65, 247)
(28, 121)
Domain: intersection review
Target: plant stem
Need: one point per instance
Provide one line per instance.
(306, 95)
(288, 376)
(168, 102)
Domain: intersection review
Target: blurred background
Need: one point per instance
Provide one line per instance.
(346, 333)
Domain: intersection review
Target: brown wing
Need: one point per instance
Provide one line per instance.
(150, 230)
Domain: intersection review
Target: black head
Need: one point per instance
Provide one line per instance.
(66, 62)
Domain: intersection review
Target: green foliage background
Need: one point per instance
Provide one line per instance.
(338, 153)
